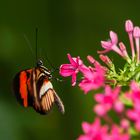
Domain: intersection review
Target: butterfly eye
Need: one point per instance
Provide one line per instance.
(39, 63)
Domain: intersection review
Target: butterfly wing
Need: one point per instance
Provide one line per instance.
(33, 88)
(49, 99)
(47, 96)
(22, 87)
(47, 102)
(59, 103)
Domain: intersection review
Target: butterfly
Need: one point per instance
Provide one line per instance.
(33, 88)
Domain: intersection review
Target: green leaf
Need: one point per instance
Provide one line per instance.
(133, 131)
(126, 101)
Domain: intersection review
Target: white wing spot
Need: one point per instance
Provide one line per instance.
(45, 87)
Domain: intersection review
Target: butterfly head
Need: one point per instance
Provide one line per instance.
(39, 63)
(44, 70)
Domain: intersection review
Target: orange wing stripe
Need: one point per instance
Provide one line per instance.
(29, 81)
(23, 88)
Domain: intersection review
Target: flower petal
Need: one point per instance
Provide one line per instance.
(106, 44)
(87, 72)
(66, 70)
(129, 26)
(136, 32)
(72, 61)
(84, 137)
(137, 125)
(79, 61)
(99, 97)
(114, 37)
(74, 79)
(100, 110)
(118, 106)
(132, 114)
(86, 127)
(86, 85)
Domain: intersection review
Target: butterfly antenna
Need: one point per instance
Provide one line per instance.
(50, 63)
(29, 45)
(36, 32)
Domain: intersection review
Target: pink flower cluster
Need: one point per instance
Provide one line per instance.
(108, 101)
(93, 76)
(111, 101)
(133, 34)
(96, 131)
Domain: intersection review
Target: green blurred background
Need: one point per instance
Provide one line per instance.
(65, 26)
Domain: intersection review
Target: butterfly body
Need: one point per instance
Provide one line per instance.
(33, 88)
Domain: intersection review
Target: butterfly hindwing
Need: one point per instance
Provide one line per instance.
(47, 101)
(59, 103)
(47, 95)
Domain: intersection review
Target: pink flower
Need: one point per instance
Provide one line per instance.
(106, 60)
(134, 114)
(94, 131)
(118, 106)
(135, 91)
(129, 29)
(92, 60)
(125, 124)
(133, 33)
(111, 44)
(129, 26)
(71, 69)
(134, 95)
(108, 100)
(136, 35)
(136, 32)
(117, 134)
(100, 109)
(93, 77)
(96, 63)
(124, 51)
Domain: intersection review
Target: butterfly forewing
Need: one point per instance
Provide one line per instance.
(22, 87)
